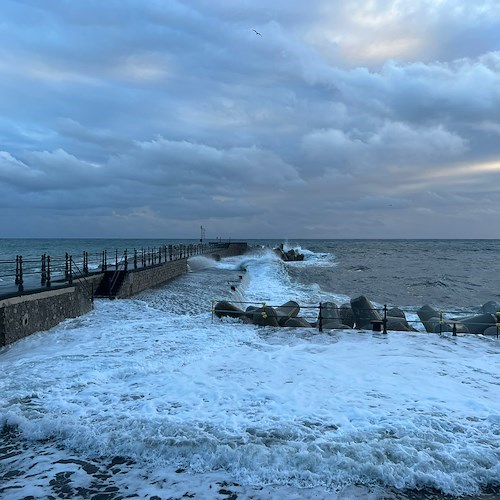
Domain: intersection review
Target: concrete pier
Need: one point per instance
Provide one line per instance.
(23, 314)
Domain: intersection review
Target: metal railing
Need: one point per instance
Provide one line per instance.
(24, 275)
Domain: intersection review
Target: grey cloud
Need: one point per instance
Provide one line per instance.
(172, 112)
(391, 145)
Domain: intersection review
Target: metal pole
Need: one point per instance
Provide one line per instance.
(384, 322)
(48, 283)
(44, 274)
(20, 285)
(320, 317)
(16, 281)
(70, 276)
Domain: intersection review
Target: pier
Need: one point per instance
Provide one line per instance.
(38, 294)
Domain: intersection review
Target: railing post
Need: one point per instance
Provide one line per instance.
(116, 259)
(48, 283)
(43, 279)
(135, 258)
(70, 275)
(66, 266)
(20, 285)
(384, 321)
(320, 317)
(125, 263)
(85, 262)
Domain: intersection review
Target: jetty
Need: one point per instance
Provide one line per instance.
(36, 295)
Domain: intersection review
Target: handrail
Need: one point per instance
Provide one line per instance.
(116, 274)
(86, 286)
(18, 276)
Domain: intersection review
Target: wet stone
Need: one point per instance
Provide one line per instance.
(231, 495)
(86, 466)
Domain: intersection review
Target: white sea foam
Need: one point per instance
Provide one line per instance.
(156, 380)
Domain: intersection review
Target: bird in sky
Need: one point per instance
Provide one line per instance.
(257, 33)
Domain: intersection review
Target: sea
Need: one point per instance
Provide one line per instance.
(155, 397)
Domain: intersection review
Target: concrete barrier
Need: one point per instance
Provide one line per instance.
(24, 315)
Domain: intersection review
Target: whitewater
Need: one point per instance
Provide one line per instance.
(154, 397)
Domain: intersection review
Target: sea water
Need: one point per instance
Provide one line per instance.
(154, 397)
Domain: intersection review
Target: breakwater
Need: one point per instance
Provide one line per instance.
(37, 295)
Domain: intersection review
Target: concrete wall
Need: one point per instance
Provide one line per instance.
(27, 314)
(237, 248)
(141, 279)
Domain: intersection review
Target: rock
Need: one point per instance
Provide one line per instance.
(396, 320)
(429, 317)
(478, 324)
(288, 310)
(298, 322)
(364, 312)
(265, 316)
(491, 307)
(346, 315)
(492, 330)
(330, 316)
(395, 312)
(434, 322)
(289, 255)
(224, 308)
(399, 324)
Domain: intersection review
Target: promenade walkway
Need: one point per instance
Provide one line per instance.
(27, 276)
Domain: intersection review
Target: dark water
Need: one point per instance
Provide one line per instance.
(442, 273)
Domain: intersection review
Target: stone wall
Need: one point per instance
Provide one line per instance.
(141, 279)
(232, 249)
(21, 316)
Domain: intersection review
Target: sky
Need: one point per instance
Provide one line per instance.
(254, 119)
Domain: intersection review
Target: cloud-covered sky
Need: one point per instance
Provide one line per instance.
(342, 119)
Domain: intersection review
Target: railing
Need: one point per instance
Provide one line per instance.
(19, 276)
(380, 321)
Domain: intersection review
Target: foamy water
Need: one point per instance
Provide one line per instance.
(203, 406)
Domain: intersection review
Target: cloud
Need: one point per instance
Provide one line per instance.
(158, 116)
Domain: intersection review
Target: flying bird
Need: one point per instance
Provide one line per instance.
(257, 33)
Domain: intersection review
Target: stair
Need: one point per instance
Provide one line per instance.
(110, 284)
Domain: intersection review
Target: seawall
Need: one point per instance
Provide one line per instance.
(25, 314)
